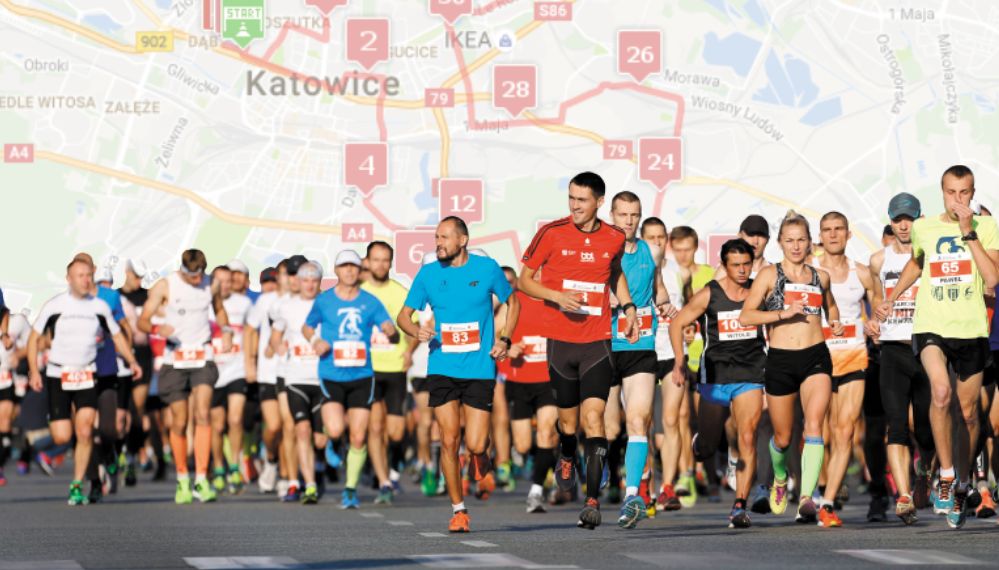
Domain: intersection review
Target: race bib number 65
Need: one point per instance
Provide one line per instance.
(950, 269)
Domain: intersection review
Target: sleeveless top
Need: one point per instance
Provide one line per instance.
(639, 268)
(732, 353)
(898, 325)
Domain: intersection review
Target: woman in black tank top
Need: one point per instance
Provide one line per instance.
(731, 368)
(791, 297)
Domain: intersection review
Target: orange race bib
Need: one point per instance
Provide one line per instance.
(644, 317)
(77, 378)
(950, 269)
(592, 296)
(850, 335)
(810, 294)
(729, 327)
(349, 354)
(6, 379)
(535, 349)
(184, 358)
(302, 352)
(460, 337)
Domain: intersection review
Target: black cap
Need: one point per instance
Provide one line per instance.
(268, 275)
(755, 225)
(294, 262)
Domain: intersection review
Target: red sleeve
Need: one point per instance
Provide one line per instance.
(540, 249)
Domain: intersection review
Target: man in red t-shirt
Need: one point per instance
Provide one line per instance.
(581, 260)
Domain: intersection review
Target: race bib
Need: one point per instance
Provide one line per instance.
(349, 354)
(810, 294)
(852, 335)
(644, 317)
(77, 378)
(950, 269)
(6, 379)
(219, 354)
(535, 349)
(380, 341)
(730, 329)
(302, 352)
(460, 337)
(185, 358)
(592, 296)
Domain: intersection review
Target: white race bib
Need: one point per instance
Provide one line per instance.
(729, 327)
(76, 378)
(460, 337)
(349, 354)
(592, 301)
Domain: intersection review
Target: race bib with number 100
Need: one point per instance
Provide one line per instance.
(460, 337)
(729, 327)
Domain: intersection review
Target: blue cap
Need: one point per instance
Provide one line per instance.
(904, 204)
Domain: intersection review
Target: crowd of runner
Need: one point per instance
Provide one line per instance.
(612, 367)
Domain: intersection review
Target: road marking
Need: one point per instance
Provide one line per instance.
(40, 565)
(400, 523)
(372, 515)
(688, 560)
(238, 562)
(432, 534)
(911, 557)
(494, 560)
(478, 543)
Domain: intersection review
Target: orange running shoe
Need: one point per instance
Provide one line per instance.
(485, 487)
(828, 517)
(987, 508)
(459, 522)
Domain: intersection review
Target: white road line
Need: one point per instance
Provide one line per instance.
(492, 560)
(372, 515)
(432, 534)
(911, 557)
(478, 543)
(240, 562)
(400, 523)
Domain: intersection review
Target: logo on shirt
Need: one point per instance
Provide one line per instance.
(605, 255)
(587, 256)
(350, 321)
(587, 242)
(568, 252)
(948, 244)
(473, 283)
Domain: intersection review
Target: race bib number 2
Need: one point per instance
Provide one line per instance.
(460, 337)
(810, 294)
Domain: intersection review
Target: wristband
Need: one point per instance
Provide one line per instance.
(626, 306)
(227, 329)
(509, 343)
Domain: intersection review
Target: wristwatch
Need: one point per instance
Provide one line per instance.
(506, 339)
(626, 306)
(970, 236)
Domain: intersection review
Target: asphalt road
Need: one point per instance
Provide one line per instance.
(142, 528)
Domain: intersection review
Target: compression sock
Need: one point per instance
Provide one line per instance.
(635, 456)
(811, 464)
(779, 459)
(355, 464)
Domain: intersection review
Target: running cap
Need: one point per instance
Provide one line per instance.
(294, 262)
(308, 270)
(238, 266)
(137, 266)
(104, 276)
(904, 204)
(268, 275)
(755, 225)
(347, 257)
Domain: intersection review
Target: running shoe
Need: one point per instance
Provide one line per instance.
(218, 480)
(760, 500)
(958, 515)
(778, 497)
(644, 492)
(235, 482)
(614, 495)
(842, 497)
(730, 472)
(112, 479)
(293, 495)
(332, 457)
(268, 477)
(485, 487)
(349, 500)
(429, 483)
(632, 511)
(807, 511)
(504, 478)
(310, 496)
(738, 518)
(589, 517)
(76, 496)
(384, 495)
(828, 517)
(905, 509)
(96, 492)
(667, 499)
(987, 506)
(565, 474)
(130, 478)
(3, 478)
(204, 492)
(944, 503)
(686, 490)
(184, 496)
(921, 491)
(459, 522)
(23, 467)
(877, 511)
(535, 503)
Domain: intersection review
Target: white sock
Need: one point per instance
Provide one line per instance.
(536, 489)
(947, 472)
(199, 478)
(630, 491)
(459, 507)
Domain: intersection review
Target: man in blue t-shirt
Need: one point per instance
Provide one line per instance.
(345, 316)
(464, 346)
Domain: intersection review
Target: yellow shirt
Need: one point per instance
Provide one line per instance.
(385, 356)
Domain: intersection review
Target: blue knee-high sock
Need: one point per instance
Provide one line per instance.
(635, 457)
